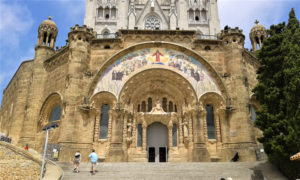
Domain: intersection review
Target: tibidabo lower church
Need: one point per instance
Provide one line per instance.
(141, 81)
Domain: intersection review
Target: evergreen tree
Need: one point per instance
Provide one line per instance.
(278, 91)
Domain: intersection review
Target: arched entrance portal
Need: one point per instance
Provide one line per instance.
(157, 142)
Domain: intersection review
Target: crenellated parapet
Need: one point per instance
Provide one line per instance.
(81, 33)
(232, 35)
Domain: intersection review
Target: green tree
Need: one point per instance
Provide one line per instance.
(278, 91)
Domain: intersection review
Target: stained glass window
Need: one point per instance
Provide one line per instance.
(253, 113)
(140, 136)
(174, 135)
(55, 114)
(104, 117)
(210, 122)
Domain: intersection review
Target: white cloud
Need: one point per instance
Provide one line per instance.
(242, 14)
(16, 20)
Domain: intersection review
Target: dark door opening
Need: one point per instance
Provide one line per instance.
(151, 156)
(162, 154)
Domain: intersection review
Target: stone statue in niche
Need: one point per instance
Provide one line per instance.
(157, 109)
(185, 129)
(129, 131)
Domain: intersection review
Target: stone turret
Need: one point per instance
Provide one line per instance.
(232, 36)
(257, 35)
(47, 34)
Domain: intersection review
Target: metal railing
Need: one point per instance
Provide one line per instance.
(5, 139)
(209, 37)
(108, 36)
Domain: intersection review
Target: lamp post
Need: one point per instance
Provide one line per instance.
(46, 128)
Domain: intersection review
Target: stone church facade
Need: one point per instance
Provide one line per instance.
(155, 81)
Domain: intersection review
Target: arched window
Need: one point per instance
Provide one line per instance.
(149, 104)
(143, 106)
(100, 12)
(55, 114)
(253, 113)
(203, 15)
(197, 15)
(164, 104)
(139, 108)
(174, 135)
(113, 13)
(104, 117)
(210, 122)
(106, 13)
(152, 23)
(191, 15)
(170, 106)
(140, 135)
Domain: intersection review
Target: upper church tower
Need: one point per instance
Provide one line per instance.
(108, 16)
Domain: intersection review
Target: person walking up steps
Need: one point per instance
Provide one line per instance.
(94, 159)
(77, 158)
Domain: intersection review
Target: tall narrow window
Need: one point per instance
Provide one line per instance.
(175, 107)
(210, 122)
(140, 135)
(104, 117)
(149, 104)
(170, 106)
(139, 107)
(203, 15)
(143, 106)
(113, 13)
(106, 12)
(253, 113)
(164, 104)
(100, 12)
(55, 114)
(174, 135)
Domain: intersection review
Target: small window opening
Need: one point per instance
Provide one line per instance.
(197, 18)
(107, 16)
(49, 40)
(207, 48)
(139, 107)
(44, 38)
(106, 47)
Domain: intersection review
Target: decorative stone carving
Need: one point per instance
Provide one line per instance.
(157, 109)
(152, 23)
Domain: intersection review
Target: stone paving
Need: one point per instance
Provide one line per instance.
(175, 171)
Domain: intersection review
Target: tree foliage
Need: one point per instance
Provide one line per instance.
(278, 91)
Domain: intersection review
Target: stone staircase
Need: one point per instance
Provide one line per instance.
(175, 171)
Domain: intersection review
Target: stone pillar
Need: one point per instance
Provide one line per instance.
(116, 153)
(144, 125)
(97, 125)
(180, 132)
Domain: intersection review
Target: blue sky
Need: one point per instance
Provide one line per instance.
(19, 21)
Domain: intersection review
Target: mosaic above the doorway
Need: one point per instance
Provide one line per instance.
(121, 70)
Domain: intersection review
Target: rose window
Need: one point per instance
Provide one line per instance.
(152, 23)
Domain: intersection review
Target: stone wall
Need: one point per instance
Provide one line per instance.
(14, 102)
(16, 163)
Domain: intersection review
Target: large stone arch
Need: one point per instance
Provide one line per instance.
(158, 79)
(213, 73)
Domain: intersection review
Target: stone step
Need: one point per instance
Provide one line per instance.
(174, 171)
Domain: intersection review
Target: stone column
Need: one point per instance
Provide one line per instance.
(180, 132)
(97, 125)
(144, 125)
(116, 153)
